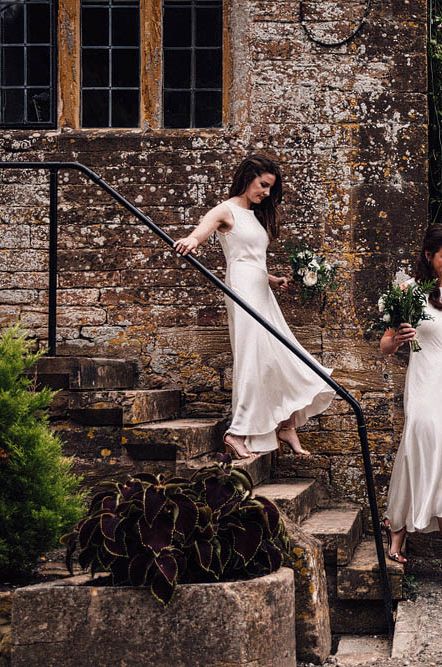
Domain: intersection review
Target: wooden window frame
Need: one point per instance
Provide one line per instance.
(151, 68)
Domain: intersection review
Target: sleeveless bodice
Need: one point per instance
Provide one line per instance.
(247, 241)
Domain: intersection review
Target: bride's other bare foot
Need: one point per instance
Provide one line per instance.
(235, 445)
(291, 439)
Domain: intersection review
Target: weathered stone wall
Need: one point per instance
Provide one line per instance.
(349, 127)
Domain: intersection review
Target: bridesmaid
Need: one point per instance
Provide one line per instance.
(415, 493)
(273, 391)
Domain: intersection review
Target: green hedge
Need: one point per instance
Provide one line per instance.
(39, 496)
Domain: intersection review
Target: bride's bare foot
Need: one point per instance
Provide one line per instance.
(235, 445)
(291, 439)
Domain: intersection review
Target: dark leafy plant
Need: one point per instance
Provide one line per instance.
(39, 497)
(157, 532)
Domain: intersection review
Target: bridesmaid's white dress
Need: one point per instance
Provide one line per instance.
(269, 382)
(415, 493)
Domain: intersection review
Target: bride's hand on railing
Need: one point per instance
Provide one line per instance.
(186, 245)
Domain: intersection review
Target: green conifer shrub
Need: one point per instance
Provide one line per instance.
(39, 496)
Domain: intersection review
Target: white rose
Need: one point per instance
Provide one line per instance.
(302, 270)
(386, 318)
(310, 279)
(314, 265)
(381, 304)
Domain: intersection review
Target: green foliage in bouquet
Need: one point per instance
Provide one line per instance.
(39, 499)
(405, 303)
(312, 272)
(158, 531)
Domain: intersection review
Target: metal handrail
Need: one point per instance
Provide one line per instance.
(53, 168)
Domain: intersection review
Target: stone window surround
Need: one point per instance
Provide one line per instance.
(150, 69)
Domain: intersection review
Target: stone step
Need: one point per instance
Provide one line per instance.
(296, 497)
(172, 440)
(123, 407)
(357, 616)
(360, 578)
(418, 630)
(102, 468)
(361, 649)
(425, 554)
(257, 466)
(88, 442)
(339, 530)
(76, 373)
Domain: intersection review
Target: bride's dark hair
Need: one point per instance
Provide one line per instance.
(432, 244)
(266, 212)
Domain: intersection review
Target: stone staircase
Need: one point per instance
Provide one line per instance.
(353, 583)
(112, 428)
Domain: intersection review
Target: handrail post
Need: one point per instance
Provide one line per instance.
(371, 493)
(53, 243)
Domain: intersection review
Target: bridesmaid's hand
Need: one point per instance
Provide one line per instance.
(404, 334)
(185, 245)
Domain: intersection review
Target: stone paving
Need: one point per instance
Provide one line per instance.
(418, 636)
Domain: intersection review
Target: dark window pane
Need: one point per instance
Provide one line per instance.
(13, 106)
(95, 67)
(125, 108)
(176, 109)
(95, 26)
(208, 109)
(39, 110)
(177, 26)
(39, 24)
(95, 109)
(209, 27)
(39, 66)
(125, 67)
(177, 69)
(208, 68)
(12, 66)
(12, 24)
(125, 26)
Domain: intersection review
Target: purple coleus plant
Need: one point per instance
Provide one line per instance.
(158, 531)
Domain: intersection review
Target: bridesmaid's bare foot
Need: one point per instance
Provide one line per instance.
(235, 445)
(291, 439)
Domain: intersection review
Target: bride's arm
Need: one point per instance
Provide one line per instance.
(217, 218)
(276, 281)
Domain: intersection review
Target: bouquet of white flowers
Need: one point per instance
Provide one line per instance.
(312, 271)
(405, 301)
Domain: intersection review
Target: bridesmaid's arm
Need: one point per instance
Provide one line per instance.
(217, 218)
(394, 338)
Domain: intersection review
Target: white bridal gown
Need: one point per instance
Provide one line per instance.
(269, 382)
(415, 494)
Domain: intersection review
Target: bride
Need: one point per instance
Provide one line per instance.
(274, 392)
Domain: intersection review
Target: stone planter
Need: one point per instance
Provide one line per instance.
(224, 625)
